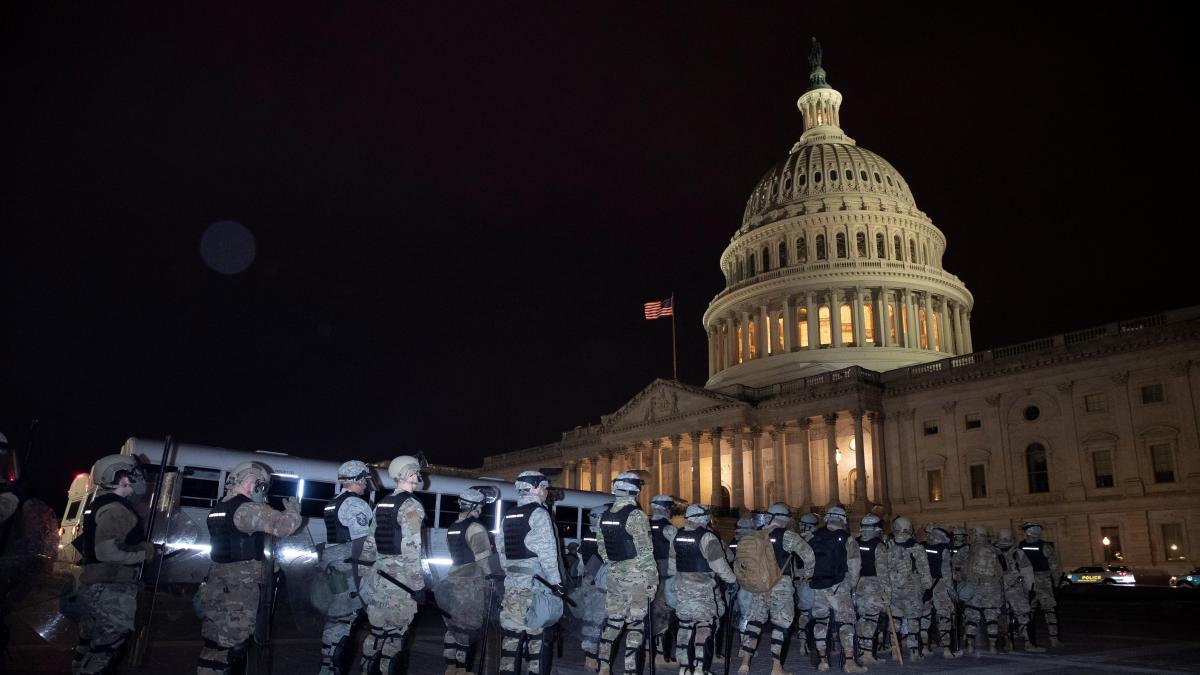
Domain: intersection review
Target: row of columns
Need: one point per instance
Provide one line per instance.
(728, 347)
(660, 458)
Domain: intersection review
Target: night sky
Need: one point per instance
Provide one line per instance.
(459, 212)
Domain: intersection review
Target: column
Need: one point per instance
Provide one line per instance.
(947, 333)
(914, 333)
(670, 468)
(860, 333)
(779, 443)
(927, 303)
(860, 460)
(835, 318)
(737, 495)
(881, 481)
(804, 465)
(745, 336)
(605, 460)
(764, 331)
(756, 467)
(814, 323)
(956, 318)
(967, 330)
(884, 337)
(714, 437)
(695, 494)
(594, 483)
(568, 475)
(789, 326)
(831, 448)
(712, 351)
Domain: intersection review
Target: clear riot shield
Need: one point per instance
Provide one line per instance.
(298, 610)
(34, 590)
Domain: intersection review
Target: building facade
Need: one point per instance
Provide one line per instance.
(842, 370)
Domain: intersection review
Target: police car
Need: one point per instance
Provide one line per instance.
(1100, 574)
(1189, 580)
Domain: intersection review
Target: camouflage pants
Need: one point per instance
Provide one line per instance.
(983, 608)
(868, 604)
(941, 604)
(906, 610)
(514, 623)
(467, 599)
(344, 609)
(390, 610)
(229, 602)
(625, 607)
(834, 604)
(1043, 588)
(696, 609)
(107, 620)
(1016, 604)
(778, 607)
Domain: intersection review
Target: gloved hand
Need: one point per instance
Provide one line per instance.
(927, 595)
(291, 505)
(149, 549)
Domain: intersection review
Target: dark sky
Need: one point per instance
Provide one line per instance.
(459, 212)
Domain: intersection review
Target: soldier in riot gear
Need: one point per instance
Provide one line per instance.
(464, 591)
(590, 599)
(1047, 574)
(347, 542)
(625, 545)
(662, 507)
(114, 543)
(807, 525)
(870, 595)
(909, 567)
(836, 570)
(1018, 589)
(982, 588)
(528, 549)
(939, 598)
(775, 605)
(229, 598)
(695, 559)
(395, 586)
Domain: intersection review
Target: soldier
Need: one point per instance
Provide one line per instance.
(836, 570)
(1018, 589)
(347, 541)
(909, 567)
(662, 507)
(870, 595)
(958, 540)
(695, 556)
(391, 606)
(625, 545)
(808, 524)
(114, 543)
(983, 594)
(940, 598)
(528, 547)
(237, 530)
(464, 593)
(777, 604)
(1047, 574)
(592, 598)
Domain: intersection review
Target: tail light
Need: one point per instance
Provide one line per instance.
(1121, 573)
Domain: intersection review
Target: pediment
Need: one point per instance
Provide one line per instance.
(664, 400)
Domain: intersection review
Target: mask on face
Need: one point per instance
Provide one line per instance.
(1033, 533)
(138, 485)
(259, 493)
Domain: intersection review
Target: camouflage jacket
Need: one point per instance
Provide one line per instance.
(113, 523)
(542, 540)
(714, 553)
(642, 566)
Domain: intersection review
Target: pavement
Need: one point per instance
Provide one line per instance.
(1117, 630)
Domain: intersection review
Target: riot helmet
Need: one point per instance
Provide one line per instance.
(108, 471)
(247, 470)
(809, 523)
(1033, 531)
(355, 471)
(1004, 538)
(407, 467)
(936, 534)
(835, 517)
(870, 526)
(697, 513)
(663, 505)
(531, 480)
(902, 529)
(761, 519)
(627, 484)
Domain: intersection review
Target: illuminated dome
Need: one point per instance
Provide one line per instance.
(833, 265)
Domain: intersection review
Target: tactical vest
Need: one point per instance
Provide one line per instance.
(688, 556)
(866, 551)
(906, 545)
(516, 526)
(935, 558)
(618, 543)
(132, 538)
(388, 536)
(230, 544)
(587, 549)
(335, 531)
(659, 540)
(781, 555)
(461, 552)
(829, 548)
(1037, 555)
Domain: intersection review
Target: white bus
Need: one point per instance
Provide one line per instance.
(196, 474)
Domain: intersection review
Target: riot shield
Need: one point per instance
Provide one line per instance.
(465, 599)
(34, 589)
(297, 559)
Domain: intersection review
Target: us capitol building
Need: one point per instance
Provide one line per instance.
(842, 370)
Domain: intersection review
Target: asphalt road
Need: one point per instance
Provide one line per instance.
(1128, 630)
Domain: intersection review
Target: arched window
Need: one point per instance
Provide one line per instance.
(787, 182)
(783, 257)
(741, 270)
(869, 323)
(750, 266)
(912, 250)
(841, 244)
(860, 244)
(922, 329)
(801, 250)
(1036, 467)
(766, 258)
(821, 247)
(823, 322)
(724, 497)
(802, 326)
(925, 250)
(880, 246)
(741, 356)
(845, 315)
(899, 247)
(753, 339)
(777, 339)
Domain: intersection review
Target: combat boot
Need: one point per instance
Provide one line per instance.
(777, 668)
(1055, 642)
(868, 657)
(604, 669)
(823, 666)
(948, 653)
(991, 646)
(851, 667)
(745, 667)
(1032, 648)
(590, 664)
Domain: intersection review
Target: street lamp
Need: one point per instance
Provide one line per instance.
(1106, 541)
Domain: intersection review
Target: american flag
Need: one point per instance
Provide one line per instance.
(660, 308)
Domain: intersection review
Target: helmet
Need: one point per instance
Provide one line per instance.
(698, 513)
(780, 509)
(628, 483)
(870, 522)
(355, 471)
(761, 519)
(1004, 537)
(809, 522)
(835, 512)
(979, 533)
(404, 466)
(959, 532)
(664, 502)
(108, 471)
(1032, 529)
(936, 533)
(744, 525)
(260, 474)
(531, 480)
(902, 529)
(470, 499)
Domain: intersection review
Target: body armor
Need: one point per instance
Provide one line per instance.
(829, 548)
(935, 553)
(618, 544)
(688, 556)
(230, 544)
(387, 530)
(456, 540)
(1036, 552)
(866, 551)
(516, 526)
(133, 538)
(335, 531)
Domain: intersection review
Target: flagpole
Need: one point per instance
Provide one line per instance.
(674, 358)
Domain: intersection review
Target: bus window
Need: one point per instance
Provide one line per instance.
(280, 488)
(72, 511)
(566, 519)
(201, 487)
(316, 496)
(429, 501)
(448, 513)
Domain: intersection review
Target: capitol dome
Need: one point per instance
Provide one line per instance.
(833, 266)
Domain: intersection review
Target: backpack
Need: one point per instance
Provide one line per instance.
(755, 566)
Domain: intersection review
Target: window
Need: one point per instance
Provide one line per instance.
(787, 182)
(1164, 465)
(566, 518)
(869, 323)
(898, 247)
(766, 258)
(750, 266)
(72, 510)
(877, 178)
(817, 177)
(912, 250)
(753, 340)
(863, 175)
(1173, 544)
(779, 334)
(1036, 468)
(931, 427)
(316, 495)
(802, 179)
(845, 315)
(833, 174)
(852, 484)
(1152, 393)
(978, 481)
(1032, 413)
(821, 247)
(741, 269)
(740, 357)
(783, 256)
(200, 487)
(889, 180)
(935, 484)
(823, 322)
(922, 328)
(974, 421)
(860, 244)
(282, 487)
(801, 250)
(880, 246)
(1095, 403)
(1110, 537)
(1102, 466)
(841, 245)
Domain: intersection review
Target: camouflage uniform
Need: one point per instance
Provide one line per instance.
(465, 587)
(632, 579)
(981, 568)
(661, 531)
(804, 594)
(390, 609)
(541, 542)
(777, 605)
(696, 591)
(108, 585)
(909, 569)
(1047, 573)
(589, 598)
(870, 594)
(941, 594)
(831, 591)
(1018, 586)
(229, 597)
(351, 518)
